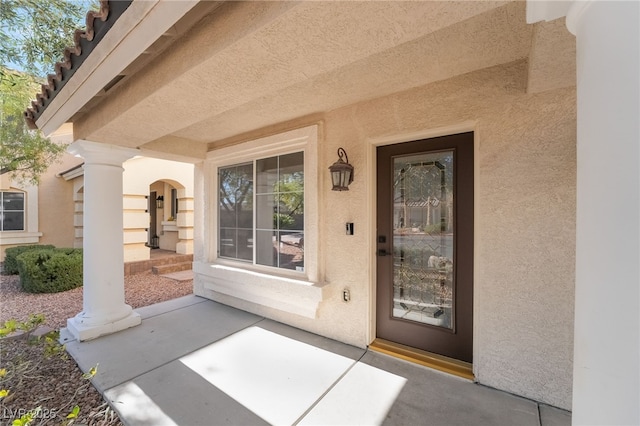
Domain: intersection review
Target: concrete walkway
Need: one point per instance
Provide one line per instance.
(197, 362)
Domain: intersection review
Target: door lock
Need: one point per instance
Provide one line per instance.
(383, 252)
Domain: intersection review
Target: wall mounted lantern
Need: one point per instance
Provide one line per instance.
(341, 172)
(160, 202)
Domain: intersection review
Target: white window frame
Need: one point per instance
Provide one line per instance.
(30, 234)
(24, 209)
(292, 291)
(253, 163)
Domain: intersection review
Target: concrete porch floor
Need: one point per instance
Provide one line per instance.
(193, 361)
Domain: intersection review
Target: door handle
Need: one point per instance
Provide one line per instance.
(383, 252)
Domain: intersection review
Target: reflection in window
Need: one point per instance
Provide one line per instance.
(11, 211)
(235, 212)
(278, 214)
(280, 211)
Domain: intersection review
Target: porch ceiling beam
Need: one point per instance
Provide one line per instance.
(136, 30)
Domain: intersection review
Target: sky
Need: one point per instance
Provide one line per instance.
(17, 34)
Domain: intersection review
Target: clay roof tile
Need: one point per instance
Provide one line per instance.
(53, 80)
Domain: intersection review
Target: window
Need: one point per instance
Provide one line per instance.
(269, 212)
(235, 204)
(174, 203)
(262, 242)
(11, 211)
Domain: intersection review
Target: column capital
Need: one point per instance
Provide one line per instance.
(102, 153)
(549, 10)
(546, 10)
(575, 14)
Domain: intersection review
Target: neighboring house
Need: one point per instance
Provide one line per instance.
(18, 214)
(46, 210)
(494, 213)
(157, 205)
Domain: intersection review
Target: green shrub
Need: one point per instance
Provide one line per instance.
(10, 262)
(50, 270)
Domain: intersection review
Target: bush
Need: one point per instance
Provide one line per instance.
(10, 260)
(50, 270)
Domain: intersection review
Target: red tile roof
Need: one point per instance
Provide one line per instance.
(55, 80)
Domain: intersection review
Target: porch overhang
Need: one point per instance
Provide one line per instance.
(140, 25)
(179, 79)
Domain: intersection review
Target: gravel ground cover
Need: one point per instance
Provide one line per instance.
(55, 383)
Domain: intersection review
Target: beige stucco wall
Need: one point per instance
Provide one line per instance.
(525, 220)
(60, 209)
(141, 176)
(56, 212)
(55, 197)
(51, 202)
(31, 233)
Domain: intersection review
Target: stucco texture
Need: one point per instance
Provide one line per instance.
(55, 197)
(372, 73)
(525, 218)
(142, 175)
(524, 222)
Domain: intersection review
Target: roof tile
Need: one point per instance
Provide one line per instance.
(54, 80)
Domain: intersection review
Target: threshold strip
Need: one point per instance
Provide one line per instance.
(427, 359)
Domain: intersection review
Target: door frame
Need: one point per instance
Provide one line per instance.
(374, 142)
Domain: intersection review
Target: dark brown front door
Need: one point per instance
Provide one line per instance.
(425, 245)
(152, 233)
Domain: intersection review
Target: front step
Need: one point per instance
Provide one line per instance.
(139, 266)
(173, 267)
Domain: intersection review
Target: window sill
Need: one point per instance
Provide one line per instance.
(291, 295)
(170, 226)
(19, 237)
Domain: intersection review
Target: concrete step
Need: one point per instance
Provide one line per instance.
(135, 267)
(180, 276)
(172, 267)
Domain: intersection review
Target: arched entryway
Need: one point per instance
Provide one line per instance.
(158, 202)
(164, 210)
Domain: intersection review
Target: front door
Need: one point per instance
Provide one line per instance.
(425, 245)
(152, 233)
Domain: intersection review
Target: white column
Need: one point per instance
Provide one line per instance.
(104, 309)
(606, 374)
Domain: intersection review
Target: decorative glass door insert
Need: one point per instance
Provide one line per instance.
(423, 238)
(424, 224)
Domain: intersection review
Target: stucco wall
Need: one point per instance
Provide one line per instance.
(525, 220)
(55, 196)
(525, 216)
(142, 175)
(49, 210)
(56, 206)
(31, 233)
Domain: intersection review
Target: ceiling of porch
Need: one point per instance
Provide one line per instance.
(244, 66)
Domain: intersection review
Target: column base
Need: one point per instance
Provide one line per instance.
(82, 332)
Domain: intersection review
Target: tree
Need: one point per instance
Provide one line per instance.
(34, 33)
(33, 36)
(24, 153)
